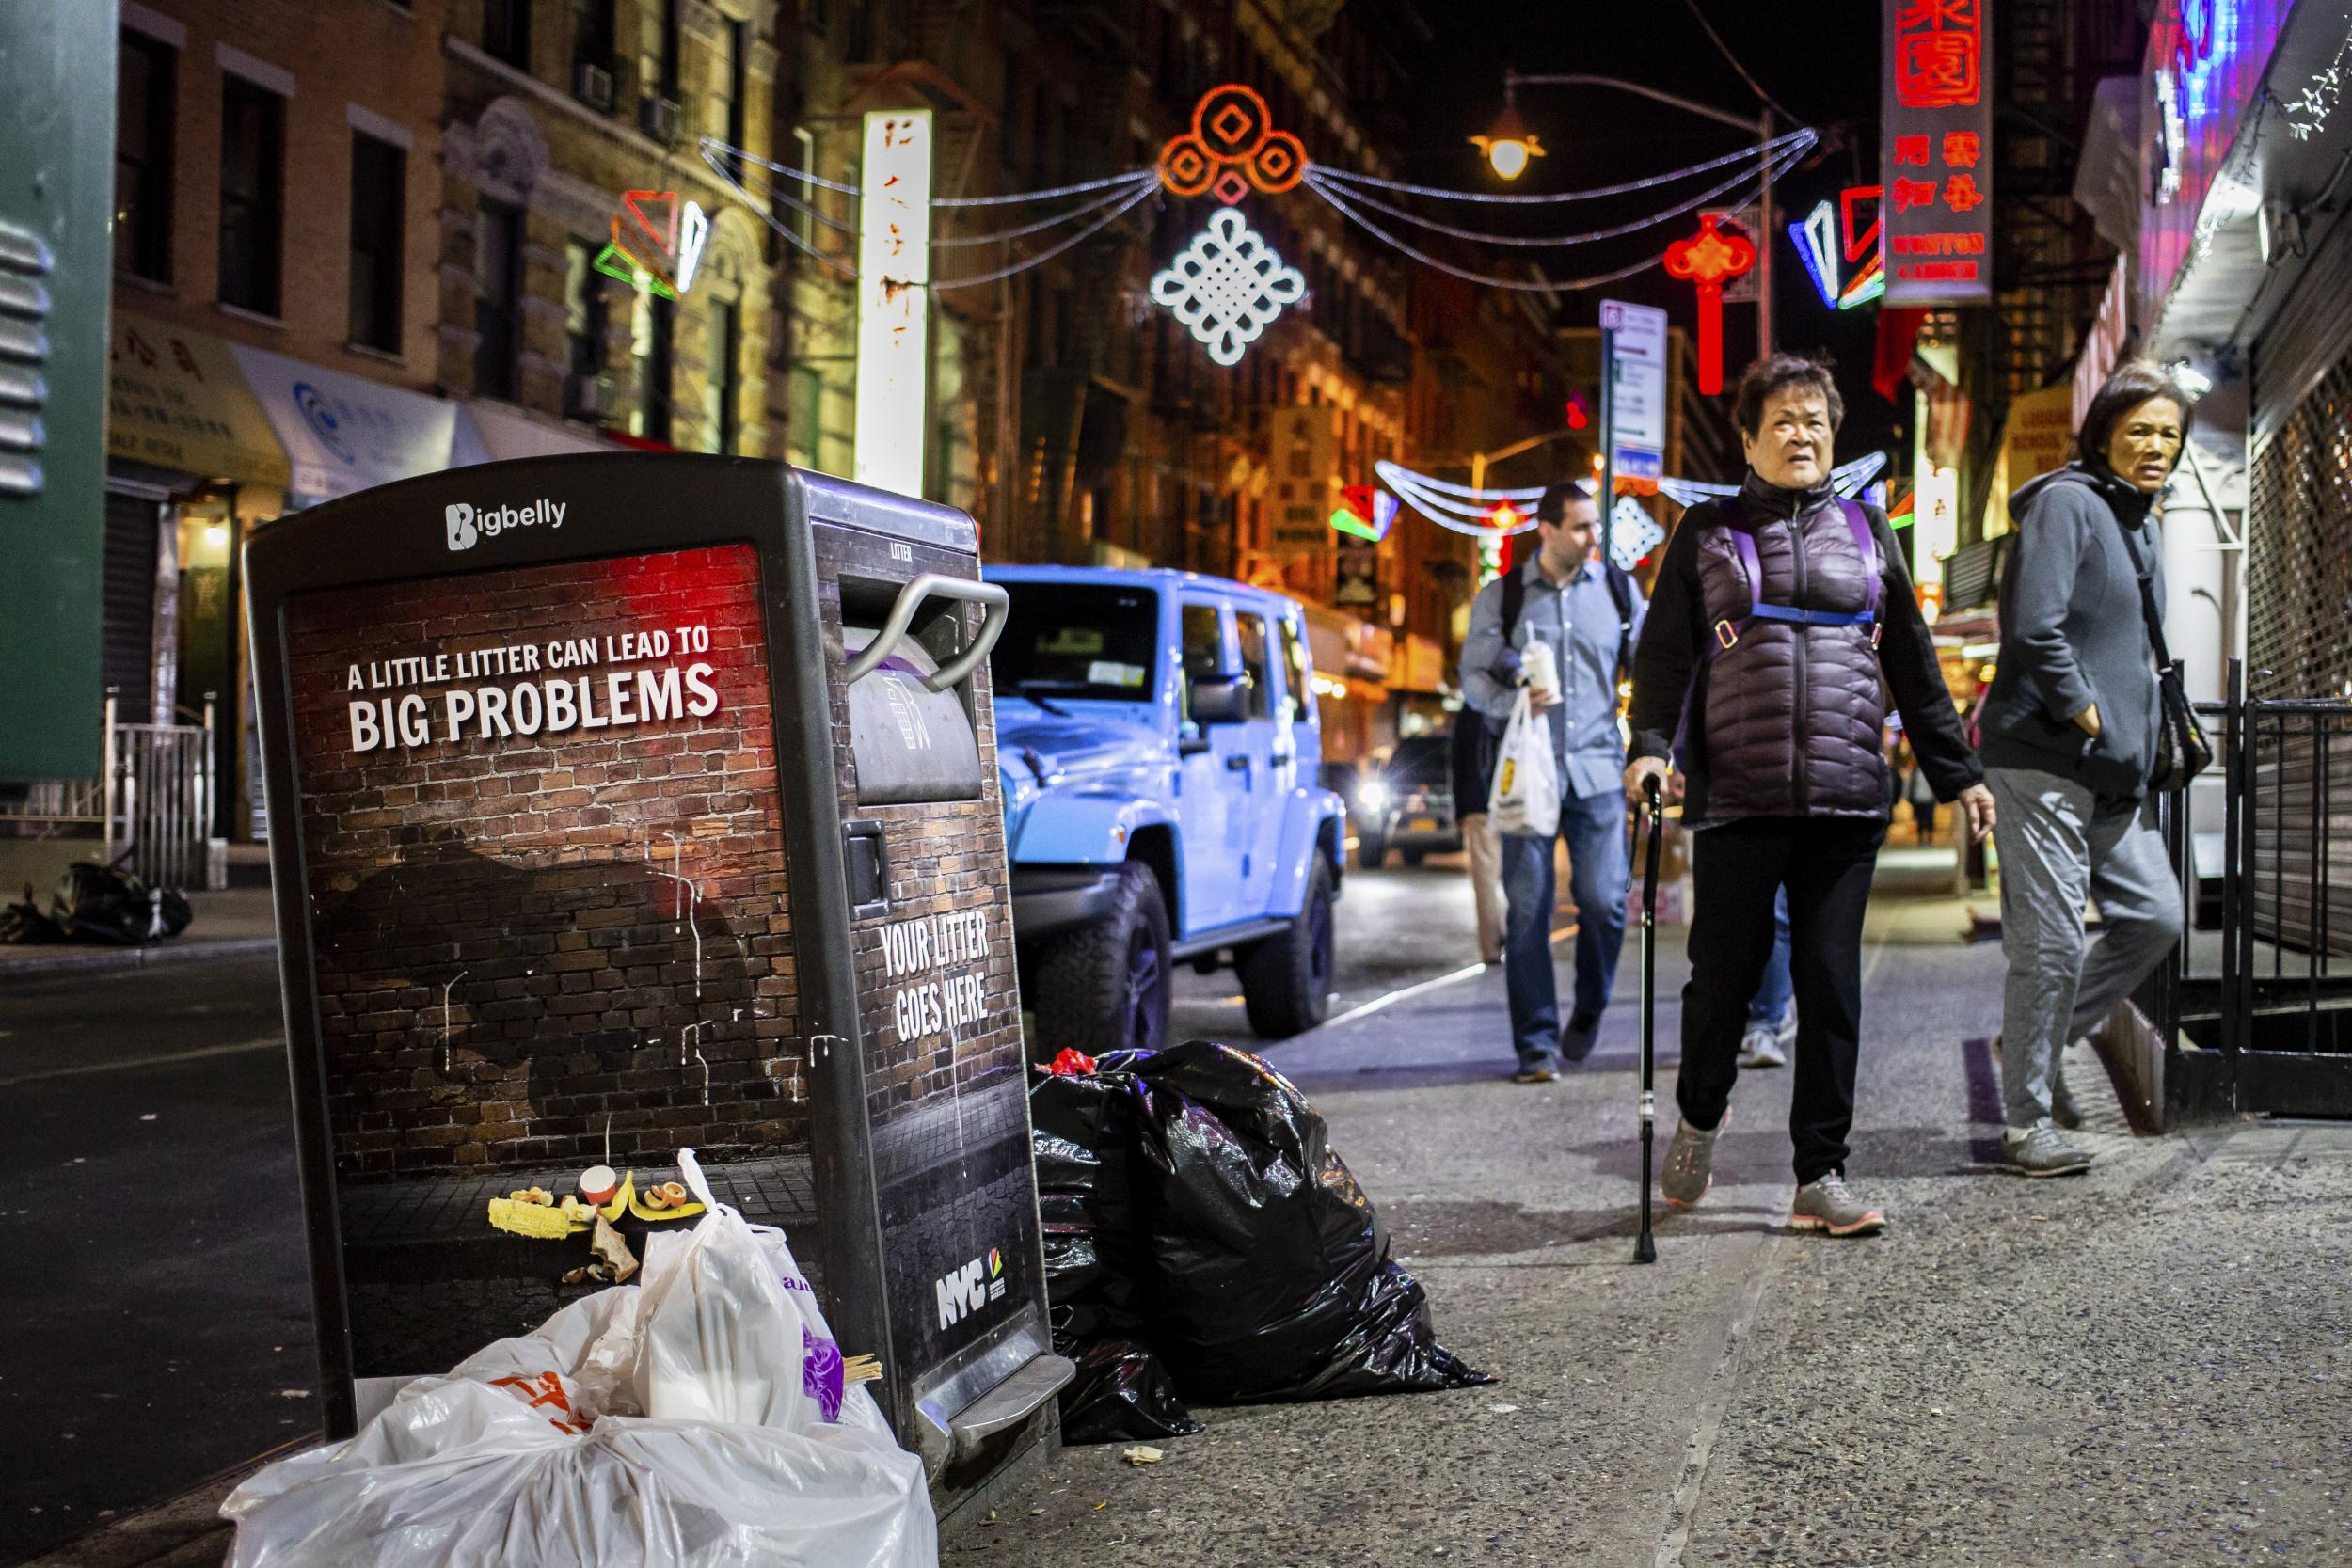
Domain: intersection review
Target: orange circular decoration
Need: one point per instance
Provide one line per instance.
(1279, 165)
(1185, 166)
(1710, 256)
(1232, 121)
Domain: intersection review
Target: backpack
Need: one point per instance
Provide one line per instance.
(1620, 592)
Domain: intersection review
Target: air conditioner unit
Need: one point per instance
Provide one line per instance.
(659, 118)
(593, 85)
(590, 397)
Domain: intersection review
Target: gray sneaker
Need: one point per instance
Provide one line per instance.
(1826, 1205)
(2042, 1149)
(1690, 1164)
(2062, 1107)
(1761, 1047)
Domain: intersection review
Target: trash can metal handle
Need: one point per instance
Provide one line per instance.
(930, 585)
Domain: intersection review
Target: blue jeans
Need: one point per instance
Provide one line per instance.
(1771, 998)
(1594, 827)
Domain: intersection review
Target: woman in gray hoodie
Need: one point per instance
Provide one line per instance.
(2069, 738)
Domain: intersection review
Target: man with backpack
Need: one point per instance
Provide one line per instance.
(1587, 613)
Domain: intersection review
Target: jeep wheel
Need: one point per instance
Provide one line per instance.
(1106, 986)
(1286, 979)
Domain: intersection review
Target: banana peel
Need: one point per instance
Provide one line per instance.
(655, 1216)
(624, 1200)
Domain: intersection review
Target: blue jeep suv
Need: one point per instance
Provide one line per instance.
(1158, 743)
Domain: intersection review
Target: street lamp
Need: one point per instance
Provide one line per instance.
(1508, 146)
(1510, 143)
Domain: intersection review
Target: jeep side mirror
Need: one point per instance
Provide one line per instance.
(1218, 700)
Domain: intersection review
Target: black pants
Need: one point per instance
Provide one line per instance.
(1736, 869)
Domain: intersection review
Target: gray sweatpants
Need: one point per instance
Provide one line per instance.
(2056, 849)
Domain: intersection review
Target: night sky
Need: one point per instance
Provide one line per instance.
(1818, 60)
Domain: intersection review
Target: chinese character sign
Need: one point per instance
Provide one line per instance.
(1935, 158)
(893, 272)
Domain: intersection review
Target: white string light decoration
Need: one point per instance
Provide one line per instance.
(1847, 478)
(1227, 286)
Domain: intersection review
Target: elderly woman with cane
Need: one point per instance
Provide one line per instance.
(1775, 614)
(2071, 736)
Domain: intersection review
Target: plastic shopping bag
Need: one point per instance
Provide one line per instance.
(697, 1420)
(1526, 794)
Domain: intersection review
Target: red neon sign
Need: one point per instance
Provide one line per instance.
(1710, 259)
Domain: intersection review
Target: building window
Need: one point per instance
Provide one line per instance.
(252, 193)
(735, 73)
(498, 315)
(583, 310)
(379, 188)
(506, 31)
(653, 325)
(720, 421)
(593, 26)
(143, 108)
(663, 68)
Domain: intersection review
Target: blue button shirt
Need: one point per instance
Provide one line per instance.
(1580, 621)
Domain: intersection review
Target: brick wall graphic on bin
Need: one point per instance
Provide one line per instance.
(542, 844)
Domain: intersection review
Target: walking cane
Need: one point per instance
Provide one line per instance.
(1645, 1249)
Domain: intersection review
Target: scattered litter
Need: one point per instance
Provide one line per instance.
(607, 1245)
(1935, 1410)
(1501, 1409)
(294, 1393)
(1142, 1453)
(1104, 1504)
(2040, 1218)
(149, 1117)
(1037, 1513)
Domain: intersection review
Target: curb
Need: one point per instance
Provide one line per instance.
(70, 963)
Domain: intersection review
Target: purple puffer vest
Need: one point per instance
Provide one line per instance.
(1790, 715)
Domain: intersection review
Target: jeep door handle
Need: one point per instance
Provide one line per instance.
(1237, 764)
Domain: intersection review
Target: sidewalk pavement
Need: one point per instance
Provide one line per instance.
(2144, 1365)
(231, 922)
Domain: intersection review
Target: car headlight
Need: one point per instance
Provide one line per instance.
(1372, 797)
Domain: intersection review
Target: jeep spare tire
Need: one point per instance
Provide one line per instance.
(1286, 979)
(1104, 987)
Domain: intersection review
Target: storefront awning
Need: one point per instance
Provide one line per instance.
(176, 400)
(344, 432)
(490, 432)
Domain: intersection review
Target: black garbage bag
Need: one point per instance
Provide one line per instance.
(109, 905)
(1272, 1278)
(23, 922)
(1098, 1261)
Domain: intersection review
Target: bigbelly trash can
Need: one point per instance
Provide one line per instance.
(621, 803)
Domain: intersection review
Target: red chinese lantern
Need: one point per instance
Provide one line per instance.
(1710, 259)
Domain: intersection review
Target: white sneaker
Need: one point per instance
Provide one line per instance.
(1761, 1047)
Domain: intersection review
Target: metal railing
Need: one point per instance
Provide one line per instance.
(152, 800)
(2258, 1016)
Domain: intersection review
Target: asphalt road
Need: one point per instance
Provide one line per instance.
(159, 1306)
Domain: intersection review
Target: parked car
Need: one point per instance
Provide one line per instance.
(1405, 804)
(1159, 749)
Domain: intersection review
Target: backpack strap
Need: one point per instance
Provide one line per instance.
(1727, 632)
(1513, 599)
(1621, 592)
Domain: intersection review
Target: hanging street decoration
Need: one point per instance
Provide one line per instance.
(1633, 533)
(1365, 511)
(1227, 286)
(1708, 259)
(661, 250)
(1479, 512)
(1232, 149)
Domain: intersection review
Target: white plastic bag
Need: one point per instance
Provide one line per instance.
(567, 1447)
(1526, 794)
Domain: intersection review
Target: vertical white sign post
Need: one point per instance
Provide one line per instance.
(1633, 390)
(894, 274)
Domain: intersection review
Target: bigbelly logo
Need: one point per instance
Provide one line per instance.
(468, 524)
(963, 1291)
